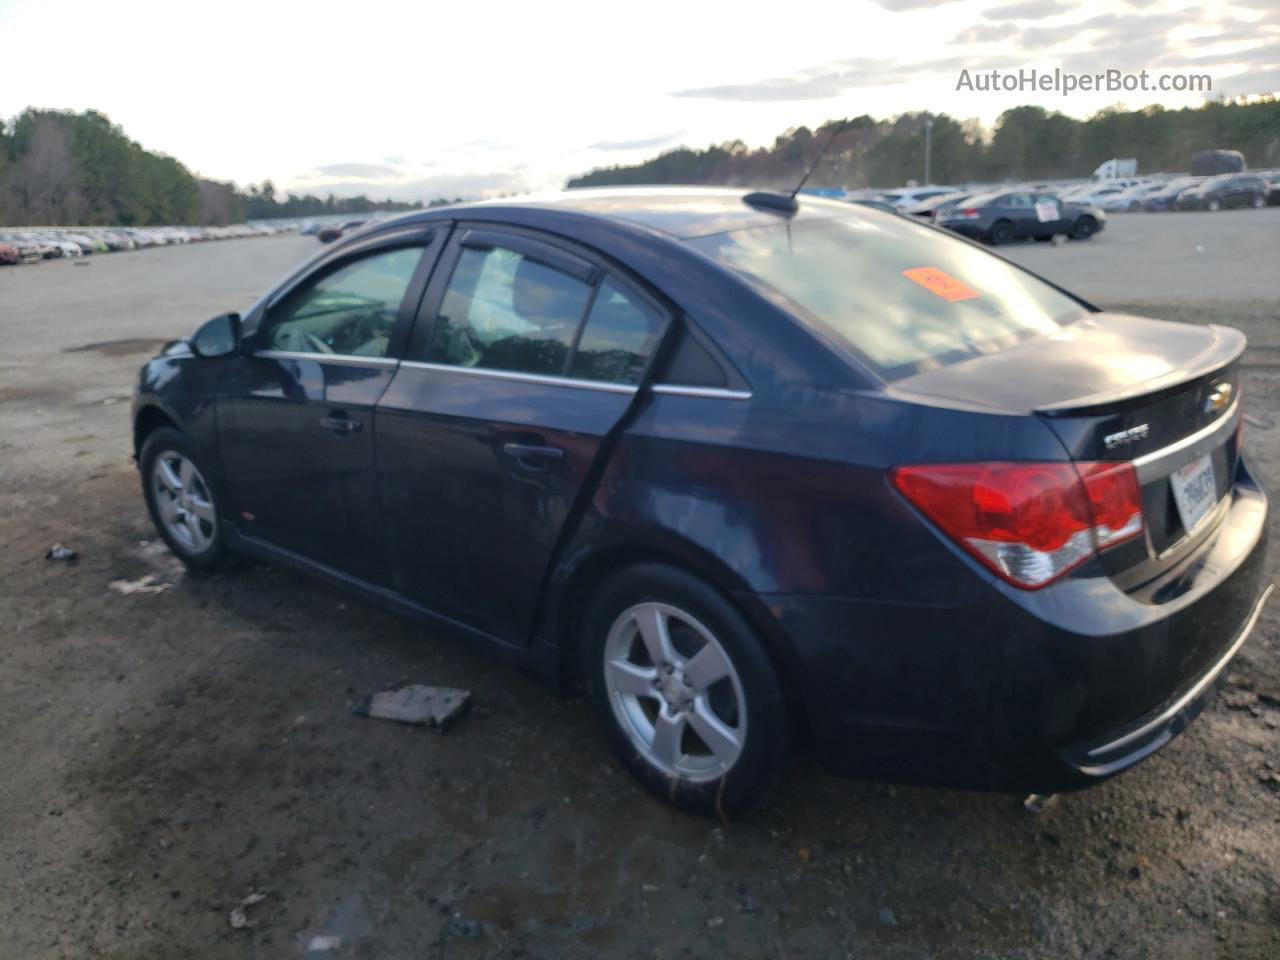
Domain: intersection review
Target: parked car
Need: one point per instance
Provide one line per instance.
(1166, 198)
(874, 204)
(910, 196)
(757, 473)
(332, 233)
(28, 250)
(1222, 192)
(9, 255)
(1131, 199)
(927, 209)
(1002, 217)
(1273, 191)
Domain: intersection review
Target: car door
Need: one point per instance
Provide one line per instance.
(527, 355)
(296, 420)
(1020, 209)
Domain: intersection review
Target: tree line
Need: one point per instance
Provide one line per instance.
(1027, 143)
(63, 168)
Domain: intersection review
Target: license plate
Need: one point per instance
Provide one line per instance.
(1194, 491)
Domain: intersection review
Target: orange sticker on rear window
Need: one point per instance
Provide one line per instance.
(943, 284)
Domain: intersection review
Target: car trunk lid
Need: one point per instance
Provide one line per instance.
(1112, 387)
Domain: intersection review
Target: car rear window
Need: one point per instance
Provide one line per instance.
(901, 296)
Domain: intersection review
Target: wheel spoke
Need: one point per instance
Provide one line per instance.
(707, 666)
(711, 730)
(198, 538)
(185, 470)
(653, 631)
(626, 677)
(168, 476)
(202, 509)
(668, 730)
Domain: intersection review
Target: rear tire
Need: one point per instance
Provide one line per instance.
(1213, 206)
(1258, 202)
(705, 729)
(183, 500)
(1001, 232)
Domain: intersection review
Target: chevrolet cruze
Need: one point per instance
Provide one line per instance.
(760, 476)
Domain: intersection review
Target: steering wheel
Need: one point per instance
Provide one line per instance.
(320, 345)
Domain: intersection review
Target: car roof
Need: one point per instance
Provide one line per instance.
(681, 212)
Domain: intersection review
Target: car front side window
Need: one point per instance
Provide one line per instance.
(350, 311)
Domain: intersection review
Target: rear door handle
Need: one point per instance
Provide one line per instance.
(340, 423)
(531, 456)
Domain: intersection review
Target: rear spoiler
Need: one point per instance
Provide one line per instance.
(1227, 346)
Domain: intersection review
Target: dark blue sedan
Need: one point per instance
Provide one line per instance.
(761, 478)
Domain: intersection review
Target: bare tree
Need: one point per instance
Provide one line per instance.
(42, 183)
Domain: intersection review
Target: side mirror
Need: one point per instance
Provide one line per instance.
(219, 337)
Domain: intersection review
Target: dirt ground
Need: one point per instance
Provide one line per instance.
(165, 755)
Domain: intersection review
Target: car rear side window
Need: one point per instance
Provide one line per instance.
(504, 310)
(901, 296)
(620, 336)
(351, 310)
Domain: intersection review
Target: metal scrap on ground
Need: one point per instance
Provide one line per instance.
(419, 704)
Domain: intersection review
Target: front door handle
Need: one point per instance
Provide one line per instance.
(531, 456)
(340, 423)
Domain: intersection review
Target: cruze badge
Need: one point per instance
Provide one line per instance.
(1113, 440)
(1219, 399)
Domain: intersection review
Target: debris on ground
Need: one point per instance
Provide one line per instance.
(239, 918)
(716, 921)
(147, 584)
(1036, 802)
(887, 918)
(419, 704)
(324, 944)
(59, 552)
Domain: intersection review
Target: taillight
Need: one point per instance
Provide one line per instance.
(1028, 522)
(969, 213)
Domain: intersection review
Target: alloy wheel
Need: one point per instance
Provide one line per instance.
(675, 692)
(183, 501)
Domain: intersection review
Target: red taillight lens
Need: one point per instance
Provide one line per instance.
(1029, 522)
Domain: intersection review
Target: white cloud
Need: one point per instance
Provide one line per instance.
(457, 98)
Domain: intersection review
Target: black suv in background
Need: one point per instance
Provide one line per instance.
(1228, 190)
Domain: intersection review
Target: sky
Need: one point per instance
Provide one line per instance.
(420, 100)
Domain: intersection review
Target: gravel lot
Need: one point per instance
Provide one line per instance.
(166, 755)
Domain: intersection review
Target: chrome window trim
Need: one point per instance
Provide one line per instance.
(714, 393)
(523, 377)
(1152, 466)
(326, 357)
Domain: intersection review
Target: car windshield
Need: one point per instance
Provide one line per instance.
(901, 296)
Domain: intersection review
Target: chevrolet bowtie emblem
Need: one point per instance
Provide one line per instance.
(1219, 399)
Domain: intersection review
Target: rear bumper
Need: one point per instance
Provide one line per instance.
(1038, 692)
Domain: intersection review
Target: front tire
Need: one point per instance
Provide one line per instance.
(182, 500)
(1213, 206)
(1084, 228)
(684, 690)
